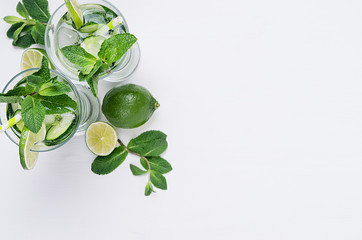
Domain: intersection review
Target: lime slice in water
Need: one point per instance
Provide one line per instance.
(75, 12)
(101, 138)
(28, 140)
(93, 44)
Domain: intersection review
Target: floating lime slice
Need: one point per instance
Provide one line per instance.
(101, 138)
(93, 44)
(28, 140)
(75, 12)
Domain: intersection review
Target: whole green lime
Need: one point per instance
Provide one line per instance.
(129, 106)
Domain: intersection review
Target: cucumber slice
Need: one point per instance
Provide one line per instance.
(60, 126)
(49, 120)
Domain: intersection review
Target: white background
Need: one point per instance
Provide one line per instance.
(262, 104)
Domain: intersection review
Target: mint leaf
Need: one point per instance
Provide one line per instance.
(106, 164)
(9, 99)
(24, 41)
(18, 32)
(32, 113)
(22, 10)
(12, 29)
(158, 180)
(35, 82)
(92, 78)
(37, 9)
(157, 164)
(12, 19)
(44, 71)
(136, 170)
(54, 89)
(57, 104)
(149, 189)
(151, 143)
(115, 47)
(38, 33)
(17, 91)
(79, 57)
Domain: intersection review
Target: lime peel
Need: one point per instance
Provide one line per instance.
(75, 12)
(28, 140)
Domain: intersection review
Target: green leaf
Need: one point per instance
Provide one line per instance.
(22, 10)
(151, 143)
(38, 33)
(115, 47)
(17, 91)
(44, 71)
(9, 99)
(18, 32)
(136, 170)
(149, 189)
(35, 82)
(12, 29)
(57, 104)
(92, 78)
(54, 89)
(106, 164)
(158, 180)
(79, 57)
(89, 27)
(24, 41)
(32, 113)
(157, 164)
(13, 19)
(38, 9)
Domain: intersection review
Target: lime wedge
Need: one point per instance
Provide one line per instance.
(32, 59)
(75, 12)
(93, 44)
(60, 125)
(28, 140)
(101, 138)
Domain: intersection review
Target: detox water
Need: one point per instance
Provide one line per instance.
(95, 17)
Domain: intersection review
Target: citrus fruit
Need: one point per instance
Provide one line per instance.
(129, 106)
(28, 140)
(32, 58)
(75, 12)
(93, 44)
(101, 138)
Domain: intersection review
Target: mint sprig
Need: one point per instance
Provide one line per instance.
(148, 146)
(31, 28)
(41, 95)
(89, 66)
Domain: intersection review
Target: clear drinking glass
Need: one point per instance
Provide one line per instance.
(86, 113)
(59, 33)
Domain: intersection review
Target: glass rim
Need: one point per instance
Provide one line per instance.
(48, 28)
(75, 91)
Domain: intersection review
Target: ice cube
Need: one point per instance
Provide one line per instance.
(67, 36)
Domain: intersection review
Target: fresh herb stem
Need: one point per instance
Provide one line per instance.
(137, 154)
